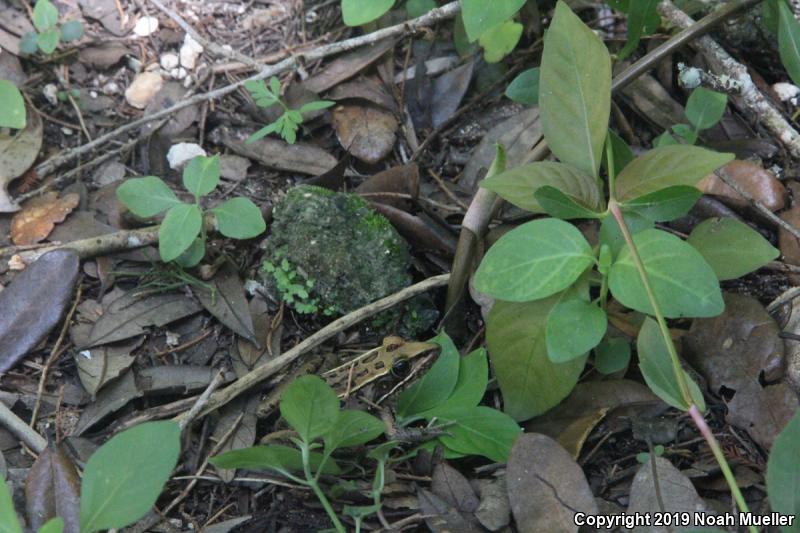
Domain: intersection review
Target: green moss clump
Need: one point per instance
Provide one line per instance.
(331, 253)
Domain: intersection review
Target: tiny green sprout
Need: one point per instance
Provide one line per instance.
(12, 106)
(704, 109)
(182, 236)
(48, 33)
(289, 122)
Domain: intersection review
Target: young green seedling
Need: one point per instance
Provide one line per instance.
(704, 109)
(289, 122)
(182, 234)
(48, 32)
(546, 319)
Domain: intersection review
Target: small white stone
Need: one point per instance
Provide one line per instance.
(190, 51)
(178, 73)
(86, 354)
(145, 26)
(66, 131)
(181, 153)
(110, 88)
(787, 92)
(50, 92)
(143, 89)
(93, 94)
(169, 61)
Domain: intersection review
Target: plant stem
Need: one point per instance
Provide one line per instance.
(312, 482)
(680, 375)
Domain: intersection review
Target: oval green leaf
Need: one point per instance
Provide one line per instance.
(436, 385)
(732, 248)
(667, 166)
(473, 378)
(789, 40)
(665, 204)
(683, 283)
(573, 328)
(656, 366)
(575, 91)
(612, 355)
(533, 261)
(71, 30)
(201, 175)
(530, 382)
(124, 477)
(178, 230)
(310, 406)
(481, 431)
(146, 197)
(783, 472)
(12, 112)
(524, 89)
(559, 205)
(352, 428)
(358, 12)
(480, 16)
(9, 522)
(499, 41)
(54, 525)
(620, 150)
(273, 457)
(519, 184)
(239, 218)
(705, 107)
(45, 15)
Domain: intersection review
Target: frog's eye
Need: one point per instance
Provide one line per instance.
(400, 368)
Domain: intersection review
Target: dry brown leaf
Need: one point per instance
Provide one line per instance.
(367, 132)
(759, 182)
(40, 215)
(17, 154)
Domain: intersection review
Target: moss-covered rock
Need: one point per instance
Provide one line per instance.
(330, 253)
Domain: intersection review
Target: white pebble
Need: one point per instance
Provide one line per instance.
(169, 61)
(144, 88)
(787, 92)
(190, 51)
(145, 26)
(50, 92)
(181, 153)
(178, 73)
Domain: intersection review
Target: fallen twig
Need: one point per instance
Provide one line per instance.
(18, 427)
(259, 374)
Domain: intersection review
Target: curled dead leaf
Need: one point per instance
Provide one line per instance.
(40, 215)
(367, 132)
(753, 178)
(17, 154)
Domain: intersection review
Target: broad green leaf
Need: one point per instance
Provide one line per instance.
(533, 261)
(612, 355)
(310, 406)
(683, 283)
(479, 15)
(519, 184)
(638, 14)
(685, 132)
(665, 204)
(464, 46)
(192, 255)
(417, 8)
(657, 369)
(789, 41)
(315, 106)
(201, 175)
(667, 166)
(352, 428)
(575, 91)
(559, 205)
(499, 41)
(621, 151)
(530, 382)
(239, 218)
(665, 139)
(783, 473)
(732, 248)
(473, 378)
(436, 385)
(146, 197)
(54, 525)
(524, 89)
(611, 235)
(45, 15)
(358, 12)
(573, 328)
(28, 43)
(481, 431)
(124, 477)
(9, 523)
(71, 31)
(181, 225)
(770, 15)
(48, 41)
(272, 457)
(12, 110)
(705, 107)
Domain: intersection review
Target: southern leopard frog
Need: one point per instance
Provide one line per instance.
(354, 374)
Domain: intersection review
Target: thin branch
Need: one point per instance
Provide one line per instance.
(18, 427)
